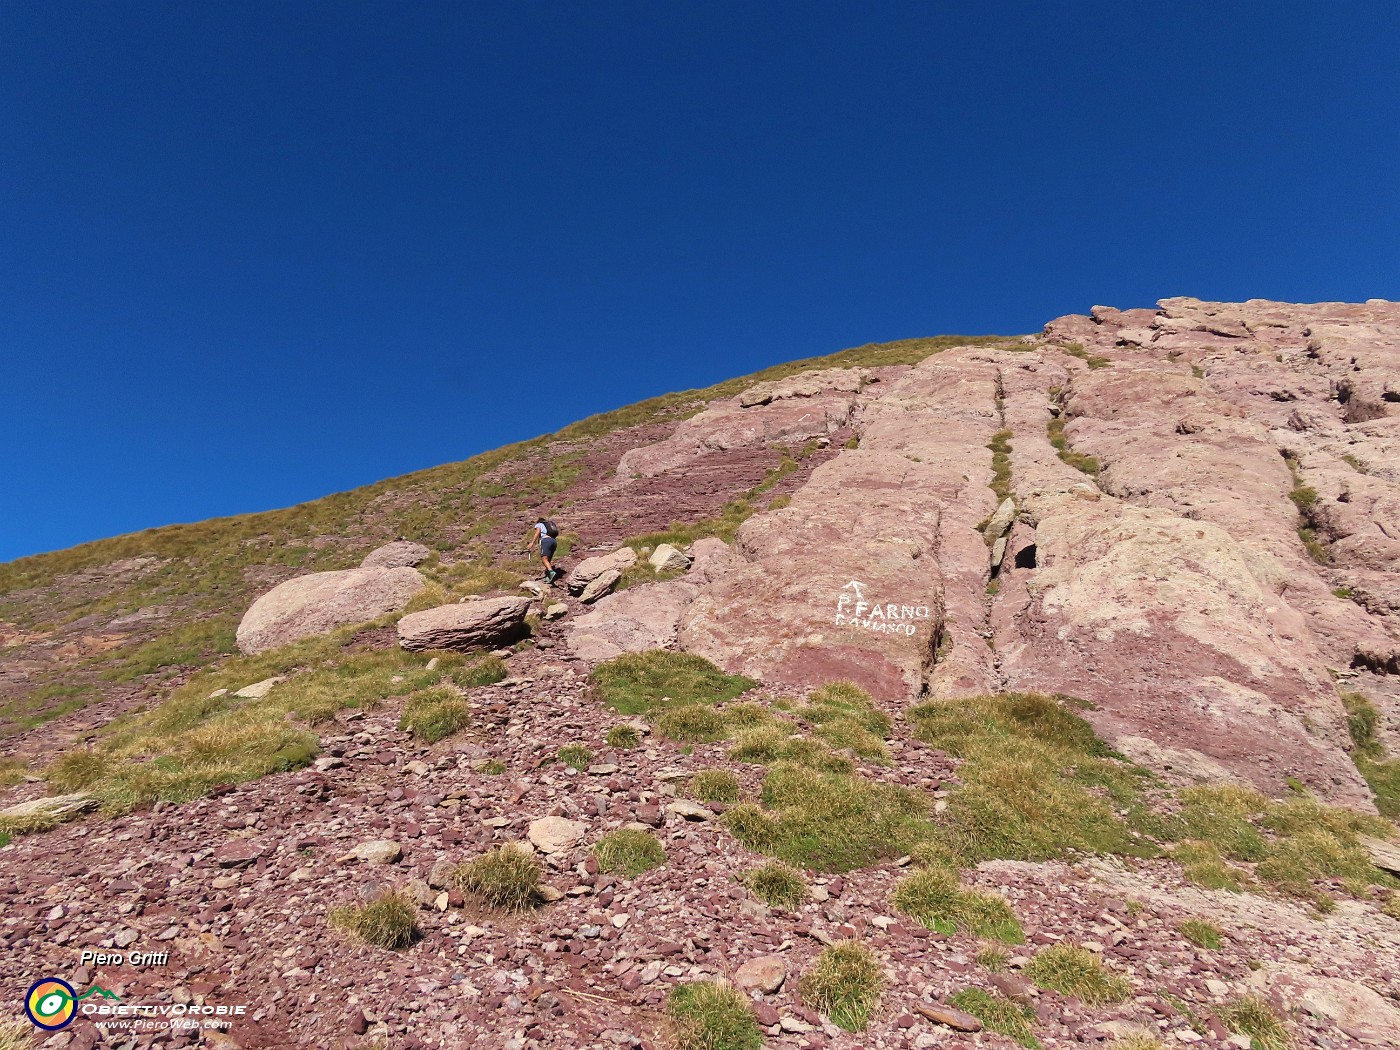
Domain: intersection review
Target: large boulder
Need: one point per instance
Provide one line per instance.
(398, 554)
(588, 570)
(469, 625)
(319, 603)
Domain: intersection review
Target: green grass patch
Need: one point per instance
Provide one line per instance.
(936, 898)
(1201, 933)
(715, 785)
(507, 878)
(1055, 431)
(845, 985)
(629, 852)
(1094, 361)
(1292, 845)
(777, 885)
(999, 1014)
(765, 745)
(829, 821)
(710, 1015)
(1381, 771)
(1203, 864)
(640, 683)
(845, 717)
(195, 741)
(190, 645)
(994, 960)
(1036, 782)
(690, 724)
(575, 756)
(483, 670)
(1000, 447)
(623, 737)
(1252, 1016)
(435, 713)
(1078, 973)
(387, 921)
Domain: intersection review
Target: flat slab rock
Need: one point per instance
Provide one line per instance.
(954, 1018)
(58, 807)
(467, 625)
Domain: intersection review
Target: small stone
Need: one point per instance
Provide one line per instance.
(258, 690)
(1219, 989)
(376, 851)
(417, 768)
(950, 1016)
(555, 834)
(689, 810)
(764, 974)
(556, 611)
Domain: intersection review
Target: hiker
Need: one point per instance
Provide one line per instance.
(546, 534)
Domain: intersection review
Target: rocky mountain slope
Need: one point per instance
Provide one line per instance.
(1117, 612)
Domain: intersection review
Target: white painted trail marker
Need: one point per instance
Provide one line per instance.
(852, 610)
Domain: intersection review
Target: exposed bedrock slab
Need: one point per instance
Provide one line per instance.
(727, 424)
(878, 559)
(1175, 633)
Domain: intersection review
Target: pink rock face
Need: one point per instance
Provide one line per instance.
(1155, 566)
(322, 601)
(727, 425)
(846, 582)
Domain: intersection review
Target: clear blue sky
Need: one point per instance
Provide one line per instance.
(252, 253)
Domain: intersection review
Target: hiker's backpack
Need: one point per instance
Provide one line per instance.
(550, 529)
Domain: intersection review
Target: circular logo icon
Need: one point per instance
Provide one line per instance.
(50, 1003)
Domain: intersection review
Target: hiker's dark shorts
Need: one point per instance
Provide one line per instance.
(548, 545)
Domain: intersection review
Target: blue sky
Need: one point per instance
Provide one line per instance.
(254, 253)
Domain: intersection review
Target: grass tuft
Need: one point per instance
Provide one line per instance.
(639, 683)
(710, 1015)
(575, 756)
(435, 713)
(1381, 772)
(829, 821)
(845, 985)
(936, 898)
(1055, 431)
(1036, 780)
(486, 670)
(1200, 933)
(1000, 447)
(623, 737)
(629, 852)
(1079, 973)
(387, 921)
(690, 724)
(715, 785)
(1252, 1016)
(777, 885)
(998, 1014)
(507, 878)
